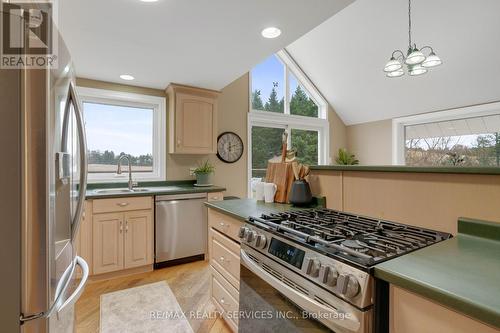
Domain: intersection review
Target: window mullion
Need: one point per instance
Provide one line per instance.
(287, 91)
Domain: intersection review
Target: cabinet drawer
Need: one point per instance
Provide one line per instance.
(225, 258)
(215, 196)
(226, 298)
(224, 224)
(121, 204)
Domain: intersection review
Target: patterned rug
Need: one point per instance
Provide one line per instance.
(149, 308)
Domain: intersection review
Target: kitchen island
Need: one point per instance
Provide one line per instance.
(461, 273)
(241, 209)
(427, 197)
(448, 287)
(225, 218)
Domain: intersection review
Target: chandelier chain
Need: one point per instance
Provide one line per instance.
(409, 24)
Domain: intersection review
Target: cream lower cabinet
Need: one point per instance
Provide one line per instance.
(224, 253)
(122, 239)
(138, 239)
(108, 242)
(83, 242)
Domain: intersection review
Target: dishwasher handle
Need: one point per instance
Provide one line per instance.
(187, 196)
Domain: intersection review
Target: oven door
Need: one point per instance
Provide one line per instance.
(275, 299)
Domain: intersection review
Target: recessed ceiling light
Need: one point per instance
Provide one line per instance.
(127, 77)
(271, 32)
(149, 0)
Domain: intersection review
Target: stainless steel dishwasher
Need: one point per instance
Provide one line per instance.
(180, 228)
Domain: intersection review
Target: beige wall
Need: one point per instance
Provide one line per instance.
(371, 142)
(338, 133)
(232, 116)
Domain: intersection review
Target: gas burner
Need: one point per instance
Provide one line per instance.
(355, 245)
(364, 240)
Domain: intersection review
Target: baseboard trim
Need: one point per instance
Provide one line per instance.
(121, 273)
(179, 261)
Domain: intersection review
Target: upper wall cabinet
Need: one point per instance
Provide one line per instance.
(192, 120)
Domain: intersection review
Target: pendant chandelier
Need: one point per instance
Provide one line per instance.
(417, 63)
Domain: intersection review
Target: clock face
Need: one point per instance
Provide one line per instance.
(229, 147)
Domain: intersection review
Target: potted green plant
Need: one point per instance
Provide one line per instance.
(203, 172)
(346, 158)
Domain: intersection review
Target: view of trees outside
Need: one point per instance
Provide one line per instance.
(267, 95)
(306, 143)
(115, 130)
(478, 150)
(266, 143)
(107, 161)
(301, 104)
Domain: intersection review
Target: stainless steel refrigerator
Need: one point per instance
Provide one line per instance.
(43, 181)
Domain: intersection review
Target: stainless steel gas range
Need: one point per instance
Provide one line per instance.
(311, 270)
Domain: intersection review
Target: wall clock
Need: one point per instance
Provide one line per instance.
(229, 147)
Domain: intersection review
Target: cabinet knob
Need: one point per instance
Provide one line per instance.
(122, 204)
(222, 301)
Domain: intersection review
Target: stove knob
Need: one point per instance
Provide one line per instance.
(311, 267)
(260, 241)
(243, 231)
(329, 275)
(348, 285)
(250, 236)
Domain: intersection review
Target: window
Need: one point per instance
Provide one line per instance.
(268, 85)
(461, 137)
(119, 124)
(283, 99)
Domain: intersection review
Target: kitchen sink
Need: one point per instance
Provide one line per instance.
(121, 190)
(141, 189)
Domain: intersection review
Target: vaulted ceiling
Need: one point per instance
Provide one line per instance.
(195, 42)
(345, 56)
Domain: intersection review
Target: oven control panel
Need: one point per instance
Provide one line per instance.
(340, 278)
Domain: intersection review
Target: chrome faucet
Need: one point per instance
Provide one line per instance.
(119, 171)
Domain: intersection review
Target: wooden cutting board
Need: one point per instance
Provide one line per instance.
(280, 174)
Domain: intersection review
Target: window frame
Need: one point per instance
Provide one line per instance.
(399, 124)
(289, 121)
(127, 99)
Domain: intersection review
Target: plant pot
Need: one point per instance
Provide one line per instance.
(203, 179)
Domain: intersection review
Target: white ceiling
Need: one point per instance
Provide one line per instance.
(196, 42)
(345, 56)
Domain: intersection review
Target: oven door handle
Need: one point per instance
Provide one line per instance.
(330, 317)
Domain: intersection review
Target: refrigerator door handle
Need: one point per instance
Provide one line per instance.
(79, 290)
(71, 299)
(74, 100)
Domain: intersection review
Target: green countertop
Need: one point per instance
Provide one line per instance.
(402, 168)
(462, 273)
(241, 209)
(156, 188)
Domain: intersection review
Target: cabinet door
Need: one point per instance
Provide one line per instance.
(107, 242)
(195, 124)
(84, 237)
(138, 238)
